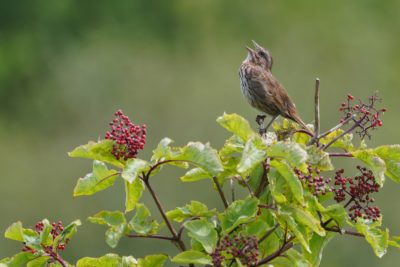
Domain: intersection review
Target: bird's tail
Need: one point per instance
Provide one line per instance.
(295, 117)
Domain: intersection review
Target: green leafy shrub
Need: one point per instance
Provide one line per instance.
(291, 212)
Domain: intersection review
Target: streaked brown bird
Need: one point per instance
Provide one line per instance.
(262, 90)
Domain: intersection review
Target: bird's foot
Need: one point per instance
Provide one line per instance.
(260, 121)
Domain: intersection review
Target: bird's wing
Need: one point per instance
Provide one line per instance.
(283, 101)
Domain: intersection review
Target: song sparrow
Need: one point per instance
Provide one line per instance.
(262, 90)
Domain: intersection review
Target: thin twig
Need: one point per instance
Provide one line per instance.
(232, 190)
(348, 155)
(247, 185)
(343, 232)
(340, 136)
(288, 245)
(264, 178)
(316, 106)
(178, 241)
(152, 237)
(267, 234)
(221, 193)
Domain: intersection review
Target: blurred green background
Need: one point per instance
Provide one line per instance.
(66, 66)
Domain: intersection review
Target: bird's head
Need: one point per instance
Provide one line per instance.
(259, 56)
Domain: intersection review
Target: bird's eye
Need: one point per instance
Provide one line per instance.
(262, 53)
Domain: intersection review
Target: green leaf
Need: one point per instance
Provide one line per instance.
(232, 146)
(298, 230)
(277, 186)
(236, 125)
(391, 152)
(163, 150)
(194, 209)
(15, 232)
(254, 153)
(291, 179)
(203, 156)
(68, 232)
(18, 260)
(343, 143)
(203, 232)
(391, 155)
(375, 163)
(116, 222)
(377, 238)
(156, 260)
(134, 168)
(238, 212)
(319, 159)
(195, 174)
(304, 217)
(317, 245)
(293, 153)
(292, 259)
(192, 256)
(133, 193)
(100, 179)
(139, 222)
(100, 151)
(393, 170)
(106, 260)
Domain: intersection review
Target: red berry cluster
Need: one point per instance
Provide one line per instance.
(365, 115)
(242, 247)
(313, 179)
(56, 230)
(358, 189)
(128, 137)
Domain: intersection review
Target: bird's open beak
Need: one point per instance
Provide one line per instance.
(257, 46)
(251, 53)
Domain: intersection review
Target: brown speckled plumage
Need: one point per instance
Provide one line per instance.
(262, 90)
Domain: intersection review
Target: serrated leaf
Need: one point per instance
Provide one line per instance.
(192, 256)
(375, 163)
(140, 223)
(98, 180)
(254, 152)
(236, 125)
(377, 238)
(203, 232)
(203, 156)
(100, 151)
(293, 153)
(291, 179)
(319, 158)
(133, 193)
(134, 168)
(195, 174)
(393, 170)
(116, 222)
(194, 209)
(238, 212)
